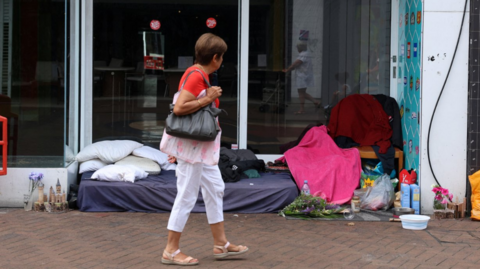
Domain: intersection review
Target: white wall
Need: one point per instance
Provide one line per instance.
(441, 25)
(15, 184)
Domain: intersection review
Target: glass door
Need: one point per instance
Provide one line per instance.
(344, 48)
(35, 95)
(140, 50)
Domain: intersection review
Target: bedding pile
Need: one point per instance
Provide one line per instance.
(332, 173)
(122, 160)
(269, 193)
(125, 175)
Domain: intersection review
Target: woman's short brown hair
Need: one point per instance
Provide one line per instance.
(207, 46)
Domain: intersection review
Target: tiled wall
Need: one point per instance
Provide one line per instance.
(409, 78)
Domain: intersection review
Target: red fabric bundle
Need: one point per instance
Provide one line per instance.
(362, 118)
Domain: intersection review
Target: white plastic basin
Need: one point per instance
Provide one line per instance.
(414, 222)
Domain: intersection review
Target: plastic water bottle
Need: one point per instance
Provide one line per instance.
(305, 188)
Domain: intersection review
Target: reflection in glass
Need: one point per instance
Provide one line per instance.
(131, 98)
(33, 91)
(344, 47)
(153, 44)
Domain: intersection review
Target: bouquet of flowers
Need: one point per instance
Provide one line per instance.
(442, 197)
(35, 181)
(308, 206)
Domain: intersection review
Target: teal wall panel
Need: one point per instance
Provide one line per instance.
(409, 77)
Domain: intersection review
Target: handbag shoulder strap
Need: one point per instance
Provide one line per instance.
(183, 84)
(196, 70)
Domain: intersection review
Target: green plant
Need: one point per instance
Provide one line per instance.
(308, 206)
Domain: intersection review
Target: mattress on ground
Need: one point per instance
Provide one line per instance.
(269, 193)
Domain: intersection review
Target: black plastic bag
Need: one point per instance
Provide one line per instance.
(72, 196)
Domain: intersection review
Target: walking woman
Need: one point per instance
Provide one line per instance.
(304, 73)
(197, 161)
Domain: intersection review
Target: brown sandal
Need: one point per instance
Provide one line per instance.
(225, 253)
(170, 259)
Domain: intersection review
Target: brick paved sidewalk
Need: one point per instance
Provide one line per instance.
(136, 240)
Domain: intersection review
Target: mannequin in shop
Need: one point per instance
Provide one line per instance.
(195, 170)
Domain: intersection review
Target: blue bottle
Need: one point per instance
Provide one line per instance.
(405, 198)
(415, 198)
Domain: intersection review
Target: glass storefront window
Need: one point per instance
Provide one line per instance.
(33, 81)
(140, 51)
(344, 47)
(141, 48)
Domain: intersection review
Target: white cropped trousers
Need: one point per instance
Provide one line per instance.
(190, 177)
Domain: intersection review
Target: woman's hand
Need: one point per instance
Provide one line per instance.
(171, 159)
(214, 92)
(294, 65)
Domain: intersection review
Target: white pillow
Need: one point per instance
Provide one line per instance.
(114, 172)
(108, 151)
(145, 164)
(139, 173)
(91, 165)
(156, 155)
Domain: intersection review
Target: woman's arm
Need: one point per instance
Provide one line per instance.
(188, 103)
(294, 65)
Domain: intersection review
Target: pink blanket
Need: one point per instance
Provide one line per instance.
(332, 173)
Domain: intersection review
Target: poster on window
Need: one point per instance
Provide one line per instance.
(153, 62)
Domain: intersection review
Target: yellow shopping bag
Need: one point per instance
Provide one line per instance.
(475, 183)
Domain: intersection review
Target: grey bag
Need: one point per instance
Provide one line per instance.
(200, 125)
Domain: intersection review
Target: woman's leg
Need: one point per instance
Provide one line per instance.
(188, 184)
(311, 99)
(212, 192)
(173, 242)
(220, 239)
(301, 97)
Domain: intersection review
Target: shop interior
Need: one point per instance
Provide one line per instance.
(131, 101)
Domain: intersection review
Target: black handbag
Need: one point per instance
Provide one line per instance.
(200, 125)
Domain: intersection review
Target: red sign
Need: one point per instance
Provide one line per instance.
(155, 25)
(211, 23)
(153, 63)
